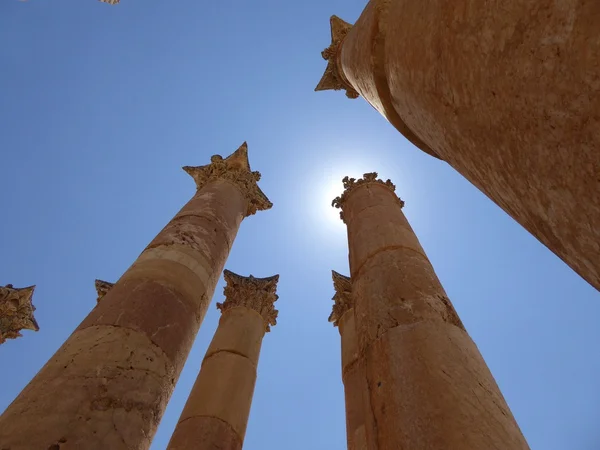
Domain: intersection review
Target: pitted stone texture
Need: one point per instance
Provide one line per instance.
(241, 331)
(224, 390)
(506, 94)
(429, 388)
(205, 433)
(398, 287)
(104, 389)
(16, 312)
(167, 316)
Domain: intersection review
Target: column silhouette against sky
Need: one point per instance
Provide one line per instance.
(217, 410)
(502, 94)
(109, 384)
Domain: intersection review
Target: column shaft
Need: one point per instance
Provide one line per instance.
(109, 383)
(355, 384)
(217, 410)
(508, 95)
(428, 385)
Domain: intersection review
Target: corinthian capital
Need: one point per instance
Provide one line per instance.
(16, 312)
(351, 184)
(333, 78)
(343, 299)
(258, 294)
(102, 288)
(235, 169)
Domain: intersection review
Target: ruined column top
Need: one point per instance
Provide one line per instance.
(16, 312)
(333, 78)
(343, 299)
(235, 169)
(250, 292)
(102, 288)
(351, 184)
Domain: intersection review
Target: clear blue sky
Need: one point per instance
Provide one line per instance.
(100, 107)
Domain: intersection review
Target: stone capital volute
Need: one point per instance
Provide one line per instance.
(250, 292)
(343, 299)
(351, 184)
(236, 170)
(16, 311)
(333, 78)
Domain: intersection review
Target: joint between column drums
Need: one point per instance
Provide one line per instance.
(381, 250)
(233, 352)
(241, 441)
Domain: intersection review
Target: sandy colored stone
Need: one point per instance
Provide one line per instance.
(430, 389)
(113, 383)
(427, 385)
(205, 433)
(508, 95)
(159, 303)
(353, 368)
(247, 338)
(224, 390)
(16, 312)
(216, 413)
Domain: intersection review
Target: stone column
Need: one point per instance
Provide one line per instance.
(16, 312)
(216, 412)
(353, 369)
(108, 385)
(428, 385)
(508, 95)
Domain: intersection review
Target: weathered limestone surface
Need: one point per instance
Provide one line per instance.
(108, 385)
(428, 386)
(508, 95)
(353, 368)
(216, 413)
(16, 312)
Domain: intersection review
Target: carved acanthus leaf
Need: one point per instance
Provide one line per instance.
(343, 299)
(102, 288)
(333, 78)
(235, 169)
(250, 292)
(110, 2)
(16, 312)
(350, 184)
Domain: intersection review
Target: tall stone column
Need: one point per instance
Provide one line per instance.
(216, 412)
(108, 385)
(428, 385)
(353, 369)
(508, 95)
(16, 312)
